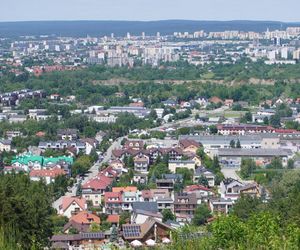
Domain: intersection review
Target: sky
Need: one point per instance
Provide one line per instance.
(144, 10)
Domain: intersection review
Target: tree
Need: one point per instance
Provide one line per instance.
(248, 116)
(168, 215)
(215, 164)
(153, 114)
(232, 144)
(114, 234)
(124, 217)
(201, 215)
(247, 167)
(290, 164)
(79, 189)
(95, 227)
(213, 129)
(26, 210)
(266, 120)
(94, 155)
(187, 175)
(203, 181)
(276, 163)
(275, 121)
(246, 206)
(238, 144)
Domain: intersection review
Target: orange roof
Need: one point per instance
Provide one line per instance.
(84, 217)
(47, 172)
(113, 218)
(67, 201)
(124, 189)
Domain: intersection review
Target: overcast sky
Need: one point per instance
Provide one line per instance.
(19, 10)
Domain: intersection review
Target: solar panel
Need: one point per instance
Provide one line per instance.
(131, 231)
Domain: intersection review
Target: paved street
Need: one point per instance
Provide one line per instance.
(92, 172)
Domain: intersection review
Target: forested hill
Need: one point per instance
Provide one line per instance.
(120, 28)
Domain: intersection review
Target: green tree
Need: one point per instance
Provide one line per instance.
(290, 164)
(201, 215)
(247, 167)
(276, 163)
(232, 144)
(238, 144)
(95, 227)
(275, 121)
(246, 206)
(203, 181)
(124, 217)
(168, 215)
(114, 234)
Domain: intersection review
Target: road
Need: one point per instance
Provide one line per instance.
(231, 173)
(93, 171)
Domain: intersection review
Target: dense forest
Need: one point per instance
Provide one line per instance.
(213, 80)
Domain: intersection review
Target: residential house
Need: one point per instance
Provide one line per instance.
(71, 206)
(215, 100)
(150, 229)
(228, 102)
(113, 202)
(88, 241)
(63, 144)
(189, 146)
(185, 204)
(168, 181)
(252, 189)
(220, 205)
(5, 145)
(141, 163)
(230, 189)
(90, 145)
(82, 221)
(140, 178)
(203, 172)
(141, 211)
(174, 164)
(127, 199)
(134, 144)
(94, 189)
(48, 175)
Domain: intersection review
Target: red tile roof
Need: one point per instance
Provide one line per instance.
(67, 201)
(84, 217)
(196, 187)
(47, 172)
(116, 195)
(186, 143)
(113, 218)
(101, 182)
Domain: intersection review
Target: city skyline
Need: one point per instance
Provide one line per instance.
(145, 10)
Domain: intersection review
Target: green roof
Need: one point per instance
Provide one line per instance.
(25, 159)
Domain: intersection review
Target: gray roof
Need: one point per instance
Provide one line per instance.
(145, 206)
(172, 176)
(253, 152)
(5, 142)
(221, 139)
